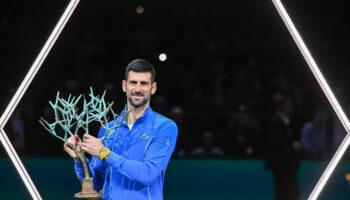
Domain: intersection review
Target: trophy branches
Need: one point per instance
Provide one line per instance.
(70, 119)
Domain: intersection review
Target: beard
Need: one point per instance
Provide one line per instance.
(140, 102)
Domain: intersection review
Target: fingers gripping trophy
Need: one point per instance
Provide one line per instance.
(69, 121)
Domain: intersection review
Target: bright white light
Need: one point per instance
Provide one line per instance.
(163, 57)
(328, 92)
(19, 94)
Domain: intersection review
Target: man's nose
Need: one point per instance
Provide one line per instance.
(138, 88)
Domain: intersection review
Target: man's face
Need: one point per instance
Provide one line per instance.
(139, 88)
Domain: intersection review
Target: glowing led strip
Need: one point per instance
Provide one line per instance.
(19, 94)
(328, 92)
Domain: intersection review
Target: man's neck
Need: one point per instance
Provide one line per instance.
(135, 113)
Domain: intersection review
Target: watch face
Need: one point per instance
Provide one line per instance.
(105, 151)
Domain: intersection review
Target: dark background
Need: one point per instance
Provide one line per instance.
(226, 60)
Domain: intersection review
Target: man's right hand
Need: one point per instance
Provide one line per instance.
(75, 142)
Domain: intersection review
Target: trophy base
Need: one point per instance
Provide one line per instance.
(88, 191)
(88, 195)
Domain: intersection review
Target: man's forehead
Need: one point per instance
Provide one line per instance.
(144, 76)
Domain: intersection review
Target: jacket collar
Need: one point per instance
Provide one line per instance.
(144, 116)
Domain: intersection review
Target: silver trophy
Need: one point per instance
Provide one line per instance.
(70, 119)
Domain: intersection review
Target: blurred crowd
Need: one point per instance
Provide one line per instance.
(218, 83)
(217, 116)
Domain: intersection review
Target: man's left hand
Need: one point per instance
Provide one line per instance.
(92, 145)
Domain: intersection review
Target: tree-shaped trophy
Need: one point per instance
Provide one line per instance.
(69, 120)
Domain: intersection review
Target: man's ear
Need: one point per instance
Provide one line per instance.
(154, 88)
(124, 85)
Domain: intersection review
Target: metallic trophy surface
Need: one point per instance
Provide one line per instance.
(69, 119)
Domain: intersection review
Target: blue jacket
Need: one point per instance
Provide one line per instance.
(136, 167)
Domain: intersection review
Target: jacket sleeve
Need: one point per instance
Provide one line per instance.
(96, 168)
(156, 158)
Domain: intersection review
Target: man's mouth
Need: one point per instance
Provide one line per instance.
(137, 96)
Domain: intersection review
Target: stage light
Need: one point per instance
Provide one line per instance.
(163, 57)
(329, 94)
(19, 94)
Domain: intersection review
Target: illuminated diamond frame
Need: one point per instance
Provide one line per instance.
(328, 92)
(57, 31)
(19, 94)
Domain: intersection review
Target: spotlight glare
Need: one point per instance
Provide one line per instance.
(163, 57)
(329, 94)
(19, 94)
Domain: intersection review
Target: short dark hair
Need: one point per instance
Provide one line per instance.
(140, 65)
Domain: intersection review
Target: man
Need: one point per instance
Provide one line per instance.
(283, 147)
(131, 162)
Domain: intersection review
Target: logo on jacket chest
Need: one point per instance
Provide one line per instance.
(144, 136)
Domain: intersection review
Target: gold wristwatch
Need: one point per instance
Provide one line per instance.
(104, 154)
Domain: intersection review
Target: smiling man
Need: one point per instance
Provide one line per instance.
(131, 162)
